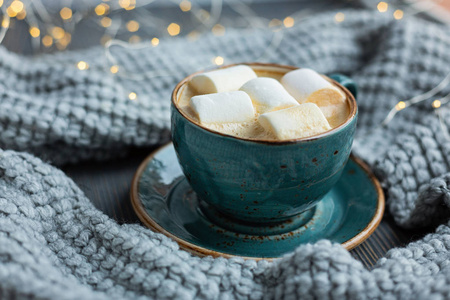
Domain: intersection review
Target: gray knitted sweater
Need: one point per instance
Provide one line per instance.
(55, 244)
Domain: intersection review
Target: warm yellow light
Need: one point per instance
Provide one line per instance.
(58, 32)
(218, 60)
(382, 6)
(60, 46)
(102, 9)
(65, 39)
(173, 29)
(1, 3)
(106, 22)
(185, 5)
(436, 103)
(106, 38)
(398, 14)
(132, 26)
(5, 22)
(155, 42)
(34, 32)
(288, 22)
(127, 4)
(21, 15)
(193, 35)
(16, 6)
(82, 65)
(218, 30)
(11, 13)
(47, 41)
(65, 13)
(400, 105)
(114, 69)
(339, 17)
(132, 96)
(134, 39)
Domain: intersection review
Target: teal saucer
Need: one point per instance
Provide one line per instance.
(164, 201)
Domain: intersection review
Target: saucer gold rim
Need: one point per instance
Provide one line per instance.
(201, 251)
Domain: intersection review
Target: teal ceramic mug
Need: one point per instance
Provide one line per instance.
(260, 181)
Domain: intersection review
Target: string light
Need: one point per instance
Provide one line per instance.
(398, 14)
(173, 29)
(339, 17)
(1, 3)
(106, 22)
(11, 13)
(16, 6)
(185, 5)
(132, 26)
(101, 9)
(47, 41)
(288, 22)
(132, 96)
(382, 6)
(400, 105)
(218, 30)
(436, 103)
(155, 42)
(21, 15)
(134, 39)
(127, 4)
(57, 32)
(5, 22)
(65, 13)
(65, 40)
(82, 65)
(114, 69)
(35, 32)
(218, 60)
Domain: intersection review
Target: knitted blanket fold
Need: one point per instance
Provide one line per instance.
(54, 244)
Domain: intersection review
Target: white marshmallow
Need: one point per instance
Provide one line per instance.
(295, 122)
(268, 94)
(306, 85)
(229, 107)
(222, 80)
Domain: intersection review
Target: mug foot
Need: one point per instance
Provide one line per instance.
(255, 228)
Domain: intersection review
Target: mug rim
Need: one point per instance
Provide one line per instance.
(349, 95)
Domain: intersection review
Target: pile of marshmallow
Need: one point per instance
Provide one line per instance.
(288, 110)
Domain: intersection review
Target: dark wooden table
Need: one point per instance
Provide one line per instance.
(107, 184)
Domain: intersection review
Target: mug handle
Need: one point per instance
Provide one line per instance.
(346, 81)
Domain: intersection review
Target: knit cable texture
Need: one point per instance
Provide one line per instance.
(54, 244)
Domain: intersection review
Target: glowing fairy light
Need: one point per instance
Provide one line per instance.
(11, 13)
(132, 96)
(173, 29)
(132, 26)
(218, 30)
(16, 6)
(288, 22)
(106, 22)
(57, 32)
(339, 17)
(218, 60)
(127, 4)
(436, 103)
(65, 13)
(400, 105)
(21, 15)
(185, 5)
(1, 3)
(82, 65)
(155, 42)
(35, 32)
(134, 39)
(5, 22)
(101, 9)
(382, 6)
(398, 14)
(47, 41)
(114, 69)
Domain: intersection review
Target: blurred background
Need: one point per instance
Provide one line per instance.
(43, 26)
